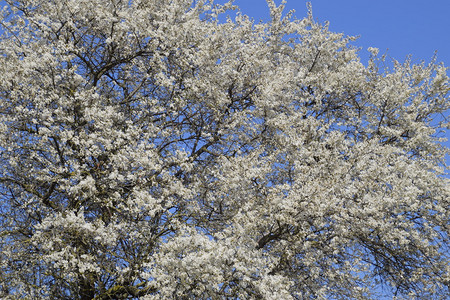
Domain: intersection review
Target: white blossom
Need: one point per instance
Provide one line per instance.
(157, 150)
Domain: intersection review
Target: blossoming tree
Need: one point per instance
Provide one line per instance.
(150, 150)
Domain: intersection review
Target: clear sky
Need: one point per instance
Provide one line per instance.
(415, 27)
(400, 27)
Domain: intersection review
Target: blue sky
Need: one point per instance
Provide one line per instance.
(401, 27)
(404, 27)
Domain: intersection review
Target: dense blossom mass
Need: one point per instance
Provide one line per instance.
(159, 149)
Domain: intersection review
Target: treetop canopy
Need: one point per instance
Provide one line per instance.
(149, 150)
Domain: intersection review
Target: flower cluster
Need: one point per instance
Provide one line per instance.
(150, 149)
